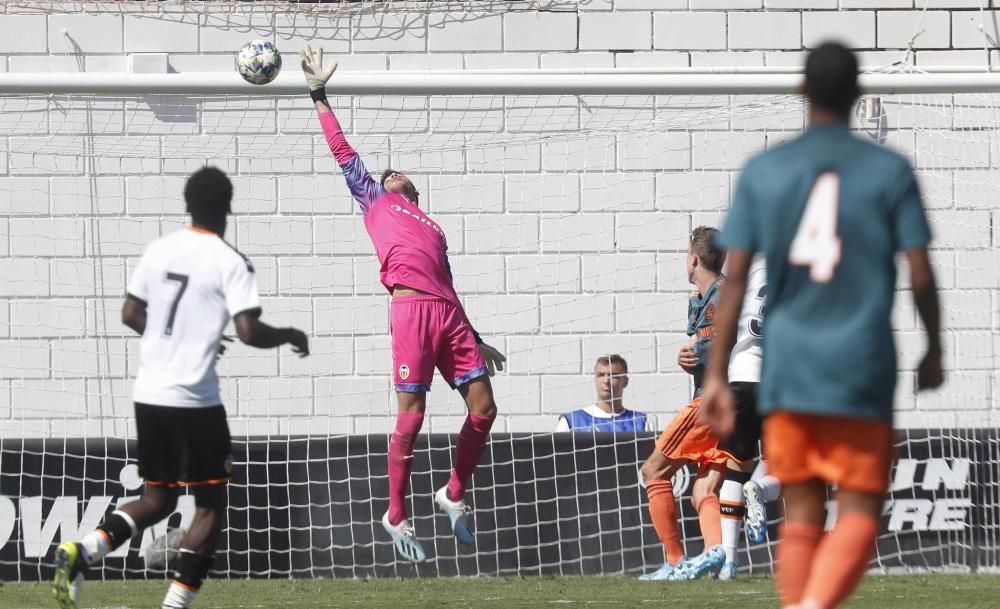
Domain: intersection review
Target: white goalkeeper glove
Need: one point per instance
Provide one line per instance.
(312, 67)
(494, 359)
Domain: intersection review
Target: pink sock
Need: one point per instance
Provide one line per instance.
(401, 462)
(471, 441)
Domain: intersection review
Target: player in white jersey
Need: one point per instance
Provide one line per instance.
(740, 496)
(181, 295)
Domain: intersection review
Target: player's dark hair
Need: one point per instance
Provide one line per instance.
(208, 194)
(832, 78)
(703, 246)
(413, 195)
(610, 360)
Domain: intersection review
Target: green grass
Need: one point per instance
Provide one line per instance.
(892, 592)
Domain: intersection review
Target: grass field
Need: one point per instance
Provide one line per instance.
(892, 592)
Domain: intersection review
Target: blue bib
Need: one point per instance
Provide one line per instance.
(627, 420)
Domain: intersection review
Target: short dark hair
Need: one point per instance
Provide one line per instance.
(208, 194)
(703, 246)
(412, 194)
(832, 78)
(385, 174)
(610, 360)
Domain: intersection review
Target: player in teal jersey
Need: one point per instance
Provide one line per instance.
(685, 440)
(829, 210)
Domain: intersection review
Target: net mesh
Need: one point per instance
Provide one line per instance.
(567, 220)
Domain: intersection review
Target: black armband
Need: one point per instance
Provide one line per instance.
(479, 339)
(318, 94)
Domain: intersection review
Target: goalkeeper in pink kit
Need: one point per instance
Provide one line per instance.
(428, 324)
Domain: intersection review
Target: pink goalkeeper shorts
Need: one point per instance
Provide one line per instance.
(429, 332)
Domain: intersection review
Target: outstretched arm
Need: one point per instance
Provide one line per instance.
(365, 190)
(255, 333)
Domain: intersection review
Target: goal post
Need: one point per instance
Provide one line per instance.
(677, 81)
(567, 199)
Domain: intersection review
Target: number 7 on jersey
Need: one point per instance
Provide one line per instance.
(816, 243)
(183, 281)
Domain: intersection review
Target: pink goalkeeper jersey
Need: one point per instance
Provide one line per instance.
(410, 246)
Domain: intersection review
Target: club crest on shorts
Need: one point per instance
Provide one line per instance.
(404, 372)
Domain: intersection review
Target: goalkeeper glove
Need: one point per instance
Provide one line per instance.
(316, 74)
(494, 359)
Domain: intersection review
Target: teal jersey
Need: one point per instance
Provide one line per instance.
(829, 211)
(701, 323)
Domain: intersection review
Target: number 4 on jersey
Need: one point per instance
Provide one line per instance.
(816, 244)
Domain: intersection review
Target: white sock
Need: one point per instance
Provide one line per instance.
(731, 494)
(770, 488)
(96, 546)
(179, 596)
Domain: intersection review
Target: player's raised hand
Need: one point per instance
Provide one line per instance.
(718, 408)
(494, 359)
(312, 66)
(299, 341)
(930, 375)
(687, 359)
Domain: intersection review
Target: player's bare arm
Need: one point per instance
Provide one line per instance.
(134, 314)
(929, 374)
(255, 333)
(718, 404)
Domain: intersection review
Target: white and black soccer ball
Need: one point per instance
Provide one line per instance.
(258, 62)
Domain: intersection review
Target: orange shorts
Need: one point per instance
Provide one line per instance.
(855, 454)
(686, 439)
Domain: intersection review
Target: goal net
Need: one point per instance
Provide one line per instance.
(567, 219)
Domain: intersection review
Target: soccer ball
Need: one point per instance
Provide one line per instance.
(258, 62)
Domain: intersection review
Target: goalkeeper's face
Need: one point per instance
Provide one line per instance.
(395, 181)
(610, 382)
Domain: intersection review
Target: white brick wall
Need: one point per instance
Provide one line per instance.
(855, 29)
(563, 248)
(689, 30)
(623, 30)
(765, 31)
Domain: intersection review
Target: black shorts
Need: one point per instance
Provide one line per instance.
(183, 446)
(742, 445)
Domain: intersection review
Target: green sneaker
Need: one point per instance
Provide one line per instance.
(69, 575)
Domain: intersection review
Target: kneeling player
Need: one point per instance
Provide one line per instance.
(181, 295)
(685, 440)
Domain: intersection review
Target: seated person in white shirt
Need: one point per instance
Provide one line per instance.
(607, 413)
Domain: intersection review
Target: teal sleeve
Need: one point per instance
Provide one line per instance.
(740, 230)
(692, 325)
(909, 222)
(703, 349)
